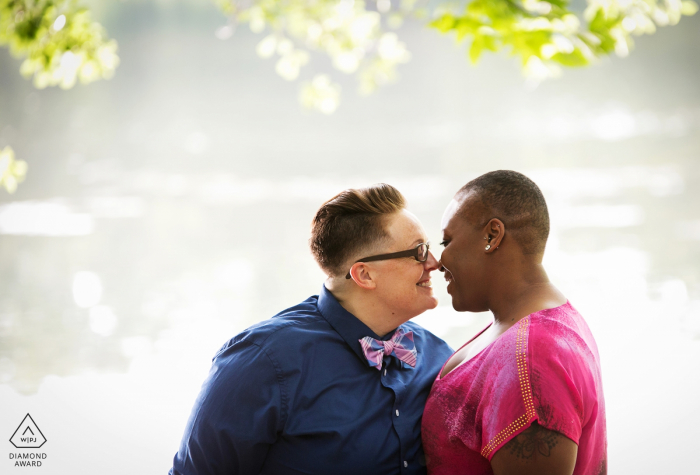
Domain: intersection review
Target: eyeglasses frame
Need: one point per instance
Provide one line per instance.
(395, 255)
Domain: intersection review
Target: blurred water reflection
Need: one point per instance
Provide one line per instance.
(168, 209)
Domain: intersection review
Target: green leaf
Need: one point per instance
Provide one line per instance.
(466, 26)
(689, 8)
(558, 3)
(573, 59)
(445, 23)
(476, 48)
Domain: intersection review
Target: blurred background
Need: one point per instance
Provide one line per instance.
(169, 208)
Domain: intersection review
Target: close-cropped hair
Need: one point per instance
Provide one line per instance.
(517, 201)
(352, 221)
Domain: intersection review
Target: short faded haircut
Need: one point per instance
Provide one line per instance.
(517, 201)
(350, 222)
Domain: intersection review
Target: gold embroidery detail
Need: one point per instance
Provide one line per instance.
(525, 389)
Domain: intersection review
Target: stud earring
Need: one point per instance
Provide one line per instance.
(488, 246)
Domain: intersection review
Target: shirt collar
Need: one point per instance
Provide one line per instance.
(348, 326)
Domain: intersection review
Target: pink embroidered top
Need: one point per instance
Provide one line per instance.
(545, 368)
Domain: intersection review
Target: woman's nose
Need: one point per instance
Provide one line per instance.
(431, 263)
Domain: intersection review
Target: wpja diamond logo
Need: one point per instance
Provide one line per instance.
(28, 435)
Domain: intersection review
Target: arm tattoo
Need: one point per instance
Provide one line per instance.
(533, 441)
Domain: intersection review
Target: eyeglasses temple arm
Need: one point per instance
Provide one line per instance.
(381, 257)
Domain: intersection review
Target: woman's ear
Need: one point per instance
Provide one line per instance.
(494, 232)
(360, 273)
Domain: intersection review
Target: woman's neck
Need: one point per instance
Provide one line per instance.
(364, 308)
(522, 294)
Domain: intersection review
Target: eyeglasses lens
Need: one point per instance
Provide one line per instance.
(422, 253)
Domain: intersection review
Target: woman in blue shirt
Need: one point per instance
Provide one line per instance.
(337, 383)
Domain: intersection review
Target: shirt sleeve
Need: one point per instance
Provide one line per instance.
(538, 378)
(502, 392)
(236, 416)
(561, 379)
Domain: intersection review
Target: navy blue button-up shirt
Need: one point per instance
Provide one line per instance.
(295, 395)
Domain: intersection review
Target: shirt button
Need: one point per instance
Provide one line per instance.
(397, 413)
(405, 464)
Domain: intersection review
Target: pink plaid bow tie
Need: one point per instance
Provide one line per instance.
(400, 345)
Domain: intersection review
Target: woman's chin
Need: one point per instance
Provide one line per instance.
(425, 305)
(456, 304)
(434, 303)
(430, 303)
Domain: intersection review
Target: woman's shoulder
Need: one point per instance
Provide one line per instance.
(561, 335)
(558, 325)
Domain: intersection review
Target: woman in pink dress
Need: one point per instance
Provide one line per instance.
(524, 396)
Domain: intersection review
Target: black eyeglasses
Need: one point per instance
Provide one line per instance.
(419, 253)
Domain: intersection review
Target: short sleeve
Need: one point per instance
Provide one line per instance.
(542, 380)
(561, 377)
(504, 399)
(236, 416)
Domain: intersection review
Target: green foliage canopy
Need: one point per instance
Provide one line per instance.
(547, 33)
(61, 44)
(543, 34)
(353, 36)
(58, 40)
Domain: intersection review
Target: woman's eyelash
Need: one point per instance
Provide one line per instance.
(444, 243)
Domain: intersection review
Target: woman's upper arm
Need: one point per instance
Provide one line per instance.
(536, 451)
